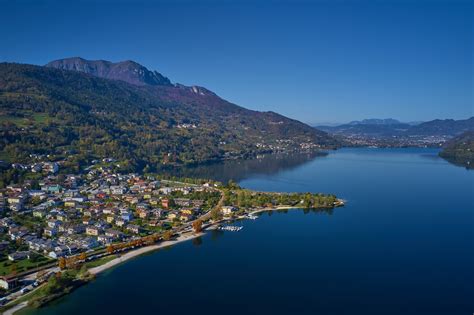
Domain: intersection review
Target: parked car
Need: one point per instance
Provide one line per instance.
(4, 300)
(25, 290)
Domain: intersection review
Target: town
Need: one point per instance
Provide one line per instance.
(63, 221)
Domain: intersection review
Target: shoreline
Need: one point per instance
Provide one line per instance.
(15, 308)
(273, 209)
(142, 250)
(150, 248)
(340, 203)
(182, 238)
(119, 260)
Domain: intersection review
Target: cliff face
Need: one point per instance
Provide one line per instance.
(127, 71)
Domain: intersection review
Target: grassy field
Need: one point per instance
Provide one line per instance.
(7, 266)
(19, 121)
(101, 261)
(4, 156)
(30, 119)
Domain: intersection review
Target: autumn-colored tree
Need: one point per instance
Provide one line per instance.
(83, 256)
(110, 249)
(167, 235)
(62, 263)
(13, 269)
(197, 226)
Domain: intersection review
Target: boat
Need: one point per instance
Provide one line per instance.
(252, 217)
(230, 228)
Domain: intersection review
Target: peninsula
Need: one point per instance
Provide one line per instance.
(63, 230)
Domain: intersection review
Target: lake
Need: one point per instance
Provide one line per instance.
(403, 244)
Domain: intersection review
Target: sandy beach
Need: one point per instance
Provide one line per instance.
(140, 251)
(274, 209)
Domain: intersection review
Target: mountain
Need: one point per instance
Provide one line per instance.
(128, 71)
(414, 123)
(136, 117)
(375, 121)
(369, 127)
(460, 150)
(438, 127)
(394, 128)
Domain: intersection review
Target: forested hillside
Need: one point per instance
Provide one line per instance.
(77, 116)
(460, 150)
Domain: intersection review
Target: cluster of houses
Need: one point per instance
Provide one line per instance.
(186, 126)
(75, 213)
(284, 145)
(38, 167)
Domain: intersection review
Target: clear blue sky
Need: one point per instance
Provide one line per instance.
(318, 61)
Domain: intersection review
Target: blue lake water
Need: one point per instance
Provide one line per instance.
(404, 244)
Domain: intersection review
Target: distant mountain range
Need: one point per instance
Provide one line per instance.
(394, 128)
(80, 109)
(375, 121)
(448, 127)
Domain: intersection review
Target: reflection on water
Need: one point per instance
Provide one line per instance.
(216, 234)
(238, 170)
(467, 164)
(328, 211)
(318, 211)
(197, 241)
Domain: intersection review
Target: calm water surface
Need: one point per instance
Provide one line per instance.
(404, 244)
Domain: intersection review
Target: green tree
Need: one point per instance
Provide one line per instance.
(216, 214)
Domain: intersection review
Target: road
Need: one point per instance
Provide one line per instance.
(207, 215)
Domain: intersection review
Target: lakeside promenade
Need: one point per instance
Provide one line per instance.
(140, 251)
